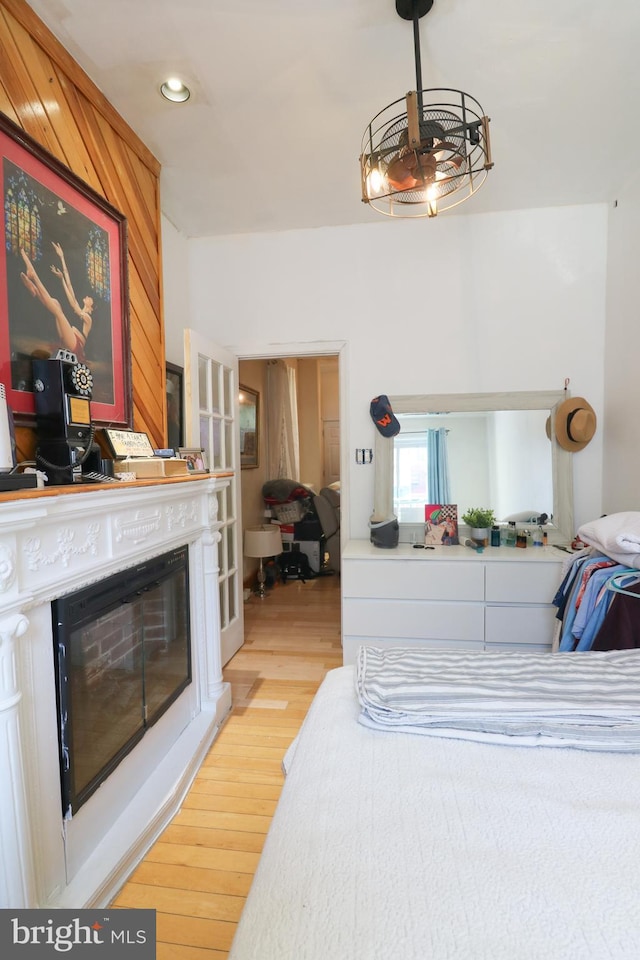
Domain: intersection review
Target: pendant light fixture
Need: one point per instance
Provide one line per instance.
(427, 152)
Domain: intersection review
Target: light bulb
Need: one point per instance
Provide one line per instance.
(431, 196)
(375, 181)
(175, 90)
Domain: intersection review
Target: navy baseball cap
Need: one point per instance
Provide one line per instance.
(382, 416)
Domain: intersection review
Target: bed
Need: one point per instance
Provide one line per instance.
(392, 844)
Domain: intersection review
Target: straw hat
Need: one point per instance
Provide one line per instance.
(575, 423)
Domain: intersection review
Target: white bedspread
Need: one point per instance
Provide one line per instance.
(399, 847)
(587, 701)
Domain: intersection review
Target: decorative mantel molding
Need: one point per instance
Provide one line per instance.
(7, 567)
(66, 547)
(16, 870)
(140, 528)
(55, 545)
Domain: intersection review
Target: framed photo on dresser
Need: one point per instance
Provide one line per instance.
(441, 524)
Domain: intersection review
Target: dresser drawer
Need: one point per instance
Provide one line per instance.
(522, 582)
(512, 626)
(412, 620)
(422, 579)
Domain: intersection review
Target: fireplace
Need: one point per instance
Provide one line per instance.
(122, 655)
(68, 544)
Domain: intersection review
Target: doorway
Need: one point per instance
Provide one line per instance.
(318, 403)
(213, 385)
(318, 391)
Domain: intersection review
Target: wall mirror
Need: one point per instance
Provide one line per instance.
(498, 452)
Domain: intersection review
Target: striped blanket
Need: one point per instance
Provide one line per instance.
(589, 701)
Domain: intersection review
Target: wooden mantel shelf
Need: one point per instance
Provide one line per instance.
(73, 488)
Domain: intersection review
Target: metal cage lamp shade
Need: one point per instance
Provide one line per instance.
(430, 156)
(262, 542)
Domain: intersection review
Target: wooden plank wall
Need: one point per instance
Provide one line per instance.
(44, 91)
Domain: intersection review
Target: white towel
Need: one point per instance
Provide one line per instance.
(617, 535)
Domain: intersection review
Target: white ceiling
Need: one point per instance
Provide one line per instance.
(282, 91)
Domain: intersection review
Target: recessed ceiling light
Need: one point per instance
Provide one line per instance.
(174, 89)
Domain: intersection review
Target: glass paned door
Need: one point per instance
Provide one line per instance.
(211, 380)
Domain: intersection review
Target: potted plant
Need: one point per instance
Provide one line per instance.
(480, 521)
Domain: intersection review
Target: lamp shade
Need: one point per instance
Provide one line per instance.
(262, 541)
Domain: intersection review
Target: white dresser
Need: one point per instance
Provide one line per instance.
(449, 597)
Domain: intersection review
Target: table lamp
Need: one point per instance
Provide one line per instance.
(262, 542)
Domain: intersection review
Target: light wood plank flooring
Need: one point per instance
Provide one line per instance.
(197, 874)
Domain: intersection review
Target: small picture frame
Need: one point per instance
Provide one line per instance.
(196, 459)
(441, 524)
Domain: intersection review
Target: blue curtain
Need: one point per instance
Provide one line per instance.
(438, 462)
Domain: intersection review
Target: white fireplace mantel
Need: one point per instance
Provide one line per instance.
(55, 544)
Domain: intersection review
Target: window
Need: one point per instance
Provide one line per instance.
(410, 477)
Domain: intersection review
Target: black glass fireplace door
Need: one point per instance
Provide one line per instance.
(122, 657)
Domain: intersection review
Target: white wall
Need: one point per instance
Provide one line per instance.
(175, 253)
(621, 423)
(469, 303)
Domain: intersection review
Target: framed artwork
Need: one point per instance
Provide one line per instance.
(441, 524)
(175, 406)
(63, 279)
(196, 459)
(249, 424)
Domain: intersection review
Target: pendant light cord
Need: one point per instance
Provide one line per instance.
(416, 51)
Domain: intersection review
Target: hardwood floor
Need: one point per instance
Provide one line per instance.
(198, 873)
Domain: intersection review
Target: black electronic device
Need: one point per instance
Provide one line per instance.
(17, 481)
(62, 389)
